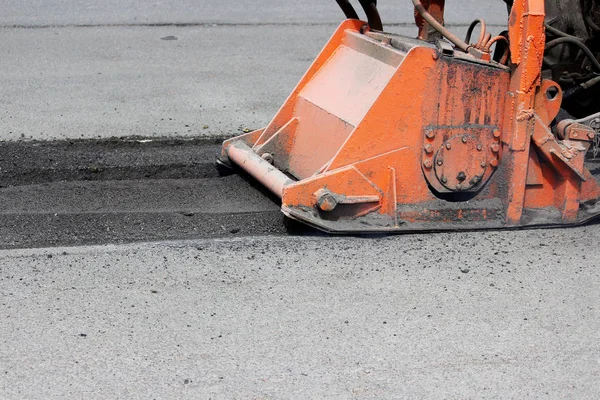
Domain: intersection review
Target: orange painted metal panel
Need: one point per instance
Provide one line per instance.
(385, 133)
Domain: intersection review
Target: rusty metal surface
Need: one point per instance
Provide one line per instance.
(379, 139)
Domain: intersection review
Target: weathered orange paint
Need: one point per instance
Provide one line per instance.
(384, 137)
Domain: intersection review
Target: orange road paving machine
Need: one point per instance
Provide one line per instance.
(386, 133)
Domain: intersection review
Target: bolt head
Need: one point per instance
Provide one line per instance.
(448, 146)
(494, 163)
(430, 134)
(443, 179)
(479, 147)
(495, 147)
(483, 164)
(440, 162)
(475, 180)
(464, 139)
(428, 149)
(496, 133)
(427, 164)
(591, 135)
(327, 202)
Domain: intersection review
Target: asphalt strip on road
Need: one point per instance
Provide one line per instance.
(123, 190)
(65, 193)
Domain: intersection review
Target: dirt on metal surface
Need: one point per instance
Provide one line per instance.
(125, 190)
(382, 126)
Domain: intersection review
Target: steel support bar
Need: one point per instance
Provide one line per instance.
(275, 180)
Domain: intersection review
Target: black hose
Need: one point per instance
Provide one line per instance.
(347, 8)
(582, 86)
(557, 32)
(553, 43)
(373, 17)
(591, 23)
(587, 11)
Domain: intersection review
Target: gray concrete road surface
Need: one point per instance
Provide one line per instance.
(137, 12)
(506, 315)
(229, 69)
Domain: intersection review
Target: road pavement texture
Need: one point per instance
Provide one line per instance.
(36, 13)
(249, 306)
(451, 315)
(214, 75)
(74, 192)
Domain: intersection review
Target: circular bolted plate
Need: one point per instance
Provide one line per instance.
(460, 162)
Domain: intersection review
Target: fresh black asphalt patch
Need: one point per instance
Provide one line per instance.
(65, 193)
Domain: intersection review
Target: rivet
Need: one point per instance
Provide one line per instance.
(427, 164)
(591, 135)
(443, 179)
(494, 163)
(268, 157)
(496, 133)
(483, 164)
(495, 147)
(475, 180)
(448, 146)
(479, 147)
(464, 139)
(440, 162)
